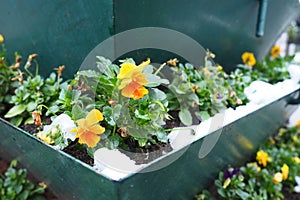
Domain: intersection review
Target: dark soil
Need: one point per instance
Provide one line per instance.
(48, 193)
(145, 154)
(175, 122)
(77, 151)
(290, 196)
(140, 155)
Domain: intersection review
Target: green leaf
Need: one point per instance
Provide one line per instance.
(88, 73)
(148, 69)
(77, 112)
(161, 136)
(31, 106)
(24, 195)
(204, 115)
(29, 121)
(242, 194)
(154, 80)
(142, 141)
(108, 115)
(185, 117)
(16, 110)
(17, 120)
(155, 93)
(141, 116)
(117, 111)
(113, 142)
(52, 109)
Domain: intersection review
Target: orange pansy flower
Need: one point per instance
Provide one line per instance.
(133, 80)
(88, 129)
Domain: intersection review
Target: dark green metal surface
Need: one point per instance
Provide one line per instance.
(67, 177)
(227, 28)
(71, 179)
(60, 31)
(65, 31)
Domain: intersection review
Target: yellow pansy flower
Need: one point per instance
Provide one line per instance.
(277, 178)
(275, 51)
(133, 80)
(248, 59)
(296, 160)
(285, 171)
(88, 129)
(297, 123)
(44, 137)
(1, 38)
(262, 158)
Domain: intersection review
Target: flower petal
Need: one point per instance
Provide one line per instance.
(124, 83)
(129, 89)
(248, 59)
(134, 90)
(97, 129)
(74, 130)
(297, 188)
(139, 77)
(139, 93)
(1, 38)
(93, 117)
(145, 63)
(89, 138)
(126, 70)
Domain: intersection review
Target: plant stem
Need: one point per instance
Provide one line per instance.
(178, 129)
(114, 130)
(160, 68)
(47, 108)
(160, 104)
(36, 68)
(28, 72)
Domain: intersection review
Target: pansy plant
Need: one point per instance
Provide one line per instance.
(129, 98)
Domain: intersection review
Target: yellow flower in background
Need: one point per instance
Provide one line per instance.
(295, 138)
(262, 158)
(133, 80)
(226, 183)
(297, 123)
(296, 160)
(275, 51)
(44, 137)
(220, 68)
(88, 129)
(1, 38)
(254, 165)
(277, 178)
(248, 59)
(285, 171)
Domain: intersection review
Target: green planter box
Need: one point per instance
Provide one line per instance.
(64, 32)
(70, 178)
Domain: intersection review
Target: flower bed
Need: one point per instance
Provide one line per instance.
(128, 106)
(274, 174)
(16, 184)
